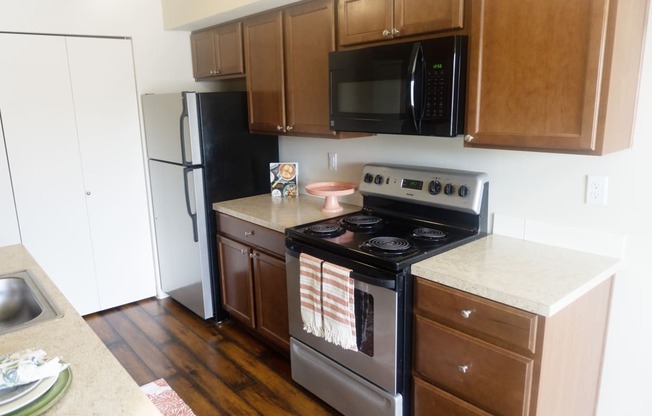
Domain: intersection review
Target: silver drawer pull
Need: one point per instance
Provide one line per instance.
(466, 313)
(248, 233)
(463, 368)
(253, 255)
(243, 251)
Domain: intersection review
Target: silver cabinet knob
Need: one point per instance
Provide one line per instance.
(463, 368)
(88, 192)
(289, 128)
(253, 255)
(468, 138)
(386, 33)
(249, 233)
(279, 128)
(466, 313)
(243, 251)
(394, 31)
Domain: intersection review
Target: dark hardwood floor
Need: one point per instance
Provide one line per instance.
(217, 369)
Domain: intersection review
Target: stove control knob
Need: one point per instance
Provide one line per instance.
(449, 189)
(368, 177)
(434, 187)
(463, 191)
(378, 180)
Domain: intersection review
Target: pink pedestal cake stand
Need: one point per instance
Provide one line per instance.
(331, 190)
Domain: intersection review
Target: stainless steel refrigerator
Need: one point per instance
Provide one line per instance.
(200, 151)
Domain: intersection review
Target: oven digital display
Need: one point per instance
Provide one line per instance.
(412, 184)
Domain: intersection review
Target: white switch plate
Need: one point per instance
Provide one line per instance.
(332, 161)
(596, 189)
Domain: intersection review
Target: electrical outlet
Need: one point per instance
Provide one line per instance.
(332, 161)
(596, 189)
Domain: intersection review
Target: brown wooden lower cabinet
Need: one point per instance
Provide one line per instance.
(465, 361)
(252, 278)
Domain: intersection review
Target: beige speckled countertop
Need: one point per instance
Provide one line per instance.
(534, 277)
(100, 385)
(279, 213)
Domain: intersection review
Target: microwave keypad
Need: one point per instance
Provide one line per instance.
(435, 91)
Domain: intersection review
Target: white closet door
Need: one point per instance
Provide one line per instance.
(9, 233)
(106, 108)
(41, 137)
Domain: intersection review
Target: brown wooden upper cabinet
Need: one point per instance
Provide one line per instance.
(554, 75)
(217, 52)
(363, 21)
(286, 54)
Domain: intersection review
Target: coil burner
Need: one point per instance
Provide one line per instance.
(362, 223)
(393, 246)
(429, 235)
(325, 230)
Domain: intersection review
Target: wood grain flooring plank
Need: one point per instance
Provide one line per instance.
(146, 323)
(133, 364)
(285, 389)
(194, 397)
(141, 345)
(265, 401)
(204, 351)
(203, 328)
(213, 388)
(103, 329)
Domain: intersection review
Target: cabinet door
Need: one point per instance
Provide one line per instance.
(108, 132)
(228, 49)
(271, 299)
(236, 279)
(309, 36)
(203, 54)
(415, 17)
(263, 36)
(38, 117)
(535, 68)
(361, 21)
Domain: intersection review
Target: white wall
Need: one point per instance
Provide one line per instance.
(547, 188)
(162, 59)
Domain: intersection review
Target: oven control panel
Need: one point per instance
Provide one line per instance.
(446, 188)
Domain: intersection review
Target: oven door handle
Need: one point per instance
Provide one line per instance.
(374, 281)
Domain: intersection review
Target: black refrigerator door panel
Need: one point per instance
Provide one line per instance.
(236, 162)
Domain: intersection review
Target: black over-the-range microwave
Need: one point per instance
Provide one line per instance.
(416, 88)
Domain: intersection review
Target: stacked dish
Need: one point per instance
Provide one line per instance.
(36, 397)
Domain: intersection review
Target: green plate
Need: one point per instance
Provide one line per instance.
(48, 400)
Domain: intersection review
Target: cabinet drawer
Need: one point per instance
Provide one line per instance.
(483, 318)
(252, 234)
(429, 400)
(492, 378)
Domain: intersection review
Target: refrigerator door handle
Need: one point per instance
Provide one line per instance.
(182, 134)
(191, 214)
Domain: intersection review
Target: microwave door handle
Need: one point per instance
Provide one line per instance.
(416, 76)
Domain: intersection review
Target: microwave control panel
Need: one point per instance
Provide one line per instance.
(436, 92)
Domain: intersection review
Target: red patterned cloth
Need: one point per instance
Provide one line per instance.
(165, 399)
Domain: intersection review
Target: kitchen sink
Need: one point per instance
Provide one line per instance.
(23, 303)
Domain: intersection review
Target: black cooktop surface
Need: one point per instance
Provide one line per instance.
(386, 241)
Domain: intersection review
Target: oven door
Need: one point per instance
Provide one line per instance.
(377, 358)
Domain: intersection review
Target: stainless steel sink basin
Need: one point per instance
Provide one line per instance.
(23, 303)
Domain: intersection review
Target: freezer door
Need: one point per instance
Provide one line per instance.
(182, 245)
(170, 132)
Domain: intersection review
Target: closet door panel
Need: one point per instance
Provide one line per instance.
(41, 137)
(106, 107)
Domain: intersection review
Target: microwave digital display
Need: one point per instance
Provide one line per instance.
(412, 184)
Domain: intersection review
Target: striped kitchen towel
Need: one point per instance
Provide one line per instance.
(310, 294)
(338, 304)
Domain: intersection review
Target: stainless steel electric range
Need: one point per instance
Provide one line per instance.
(408, 214)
